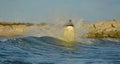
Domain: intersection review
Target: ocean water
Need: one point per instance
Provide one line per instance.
(48, 50)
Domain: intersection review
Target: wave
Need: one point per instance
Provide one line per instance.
(49, 50)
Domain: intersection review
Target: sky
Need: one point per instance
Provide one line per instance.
(47, 10)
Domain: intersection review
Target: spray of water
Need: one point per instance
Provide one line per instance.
(69, 33)
(56, 29)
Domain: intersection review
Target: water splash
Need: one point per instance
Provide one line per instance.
(69, 33)
(56, 29)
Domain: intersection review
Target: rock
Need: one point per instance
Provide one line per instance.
(13, 29)
(8, 29)
(104, 29)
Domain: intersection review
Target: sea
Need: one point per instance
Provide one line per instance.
(43, 45)
(48, 50)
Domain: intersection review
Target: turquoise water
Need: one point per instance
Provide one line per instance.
(48, 50)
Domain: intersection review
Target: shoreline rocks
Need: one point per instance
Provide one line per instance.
(13, 29)
(104, 29)
(101, 29)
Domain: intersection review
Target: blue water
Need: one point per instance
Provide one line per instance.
(48, 50)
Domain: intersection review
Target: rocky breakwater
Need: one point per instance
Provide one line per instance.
(13, 29)
(104, 29)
